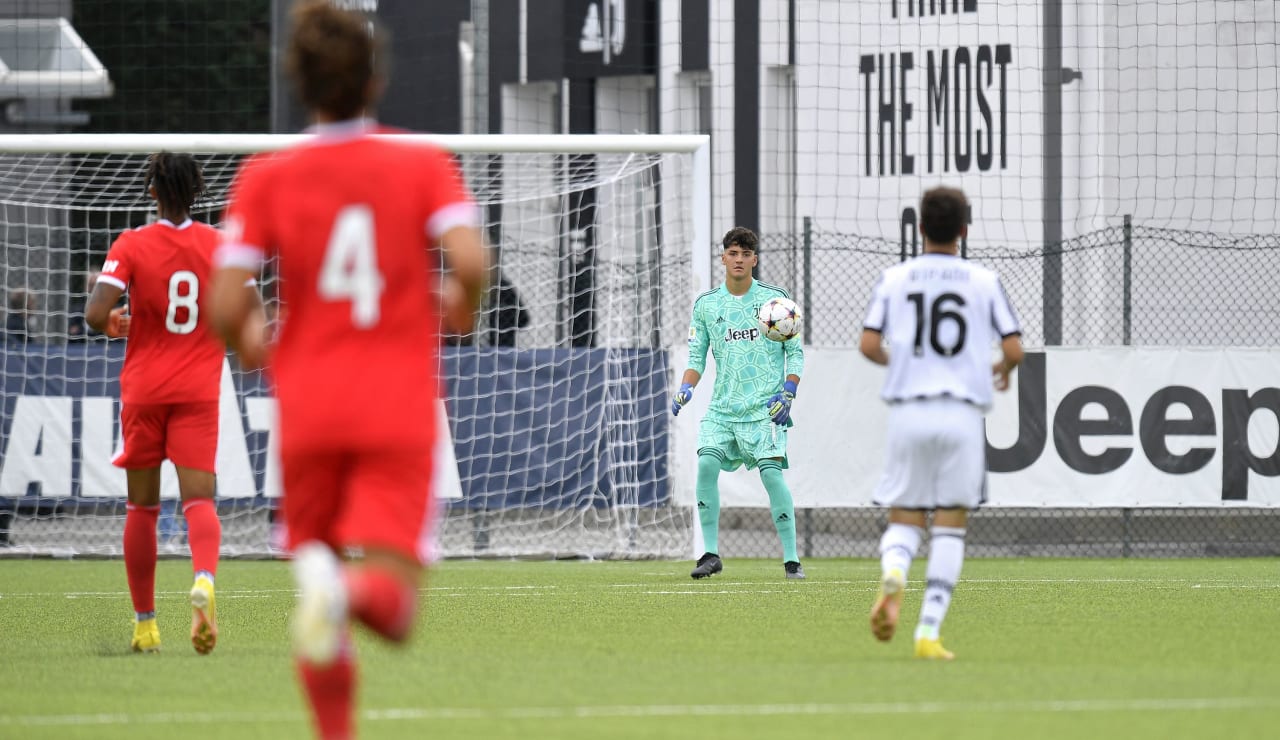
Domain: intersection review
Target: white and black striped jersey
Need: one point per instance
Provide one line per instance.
(942, 316)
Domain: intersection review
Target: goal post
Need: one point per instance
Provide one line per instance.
(557, 402)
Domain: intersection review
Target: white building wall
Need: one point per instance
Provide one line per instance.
(1174, 120)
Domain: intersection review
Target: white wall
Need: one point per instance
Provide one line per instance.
(1175, 120)
(1195, 111)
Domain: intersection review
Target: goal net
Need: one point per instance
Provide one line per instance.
(557, 402)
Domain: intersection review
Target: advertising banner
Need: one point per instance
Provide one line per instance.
(1117, 427)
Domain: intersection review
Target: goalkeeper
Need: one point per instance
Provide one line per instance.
(750, 411)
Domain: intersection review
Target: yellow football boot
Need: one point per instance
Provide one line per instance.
(146, 636)
(932, 650)
(204, 621)
(884, 614)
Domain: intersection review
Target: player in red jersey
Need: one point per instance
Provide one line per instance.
(168, 387)
(355, 221)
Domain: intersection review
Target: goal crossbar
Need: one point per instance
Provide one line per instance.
(247, 143)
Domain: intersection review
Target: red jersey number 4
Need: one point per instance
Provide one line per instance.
(350, 269)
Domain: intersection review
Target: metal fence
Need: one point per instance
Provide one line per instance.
(1126, 284)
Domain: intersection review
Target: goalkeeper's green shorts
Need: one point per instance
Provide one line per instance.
(739, 443)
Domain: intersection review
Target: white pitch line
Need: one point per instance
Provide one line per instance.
(725, 587)
(708, 592)
(653, 711)
(222, 594)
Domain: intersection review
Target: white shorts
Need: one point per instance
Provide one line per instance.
(935, 456)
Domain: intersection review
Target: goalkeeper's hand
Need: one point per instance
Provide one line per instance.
(780, 404)
(682, 396)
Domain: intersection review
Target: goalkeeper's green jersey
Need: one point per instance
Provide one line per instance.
(749, 368)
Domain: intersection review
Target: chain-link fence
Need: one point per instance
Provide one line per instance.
(1122, 285)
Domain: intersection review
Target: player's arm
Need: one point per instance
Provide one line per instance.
(117, 271)
(454, 224)
(466, 277)
(255, 299)
(873, 348)
(1005, 321)
(872, 341)
(236, 312)
(793, 352)
(1011, 351)
(237, 315)
(257, 322)
(101, 312)
(699, 341)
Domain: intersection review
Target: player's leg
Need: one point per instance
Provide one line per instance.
(782, 509)
(140, 454)
(767, 443)
(324, 657)
(383, 591)
(387, 511)
(141, 514)
(906, 487)
(961, 482)
(898, 546)
(717, 451)
(192, 445)
(314, 497)
(204, 537)
(946, 557)
(392, 525)
(707, 493)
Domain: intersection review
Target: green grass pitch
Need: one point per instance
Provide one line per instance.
(1128, 649)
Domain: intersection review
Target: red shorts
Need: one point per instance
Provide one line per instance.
(184, 433)
(369, 499)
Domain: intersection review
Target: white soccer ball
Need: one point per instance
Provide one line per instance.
(780, 319)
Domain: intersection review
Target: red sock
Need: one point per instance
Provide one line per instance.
(204, 534)
(383, 602)
(331, 692)
(140, 554)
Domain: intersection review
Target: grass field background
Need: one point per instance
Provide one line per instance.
(1128, 649)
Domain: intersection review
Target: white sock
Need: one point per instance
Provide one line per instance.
(946, 557)
(898, 546)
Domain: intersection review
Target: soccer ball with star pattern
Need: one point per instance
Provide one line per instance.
(780, 319)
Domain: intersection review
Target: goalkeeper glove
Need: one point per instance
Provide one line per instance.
(780, 404)
(682, 396)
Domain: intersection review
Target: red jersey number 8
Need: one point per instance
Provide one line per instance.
(183, 298)
(350, 269)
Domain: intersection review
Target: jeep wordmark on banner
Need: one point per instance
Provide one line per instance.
(1147, 427)
(1114, 427)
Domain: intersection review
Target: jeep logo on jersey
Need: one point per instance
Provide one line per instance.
(737, 335)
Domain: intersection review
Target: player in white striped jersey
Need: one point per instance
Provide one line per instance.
(934, 321)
